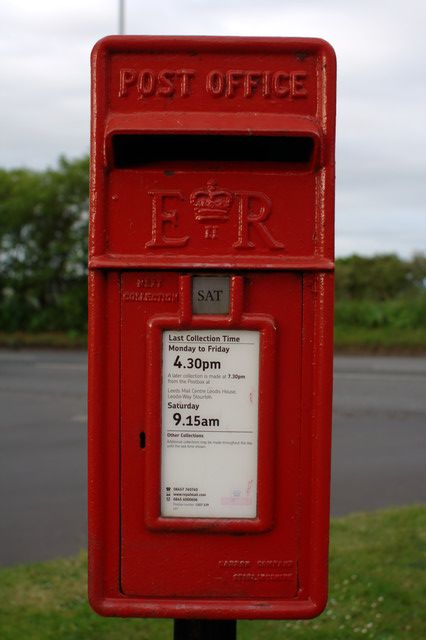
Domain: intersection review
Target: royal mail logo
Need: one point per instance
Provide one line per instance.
(211, 204)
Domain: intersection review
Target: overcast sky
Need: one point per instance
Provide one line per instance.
(381, 115)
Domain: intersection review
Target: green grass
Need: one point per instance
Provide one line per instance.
(52, 340)
(379, 339)
(346, 338)
(377, 590)
(381, 326)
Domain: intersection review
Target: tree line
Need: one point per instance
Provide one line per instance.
(43, 248)
(43, 257)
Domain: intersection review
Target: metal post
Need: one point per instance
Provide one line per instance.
(121, 18)
(205, 630)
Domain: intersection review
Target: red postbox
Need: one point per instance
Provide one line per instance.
(211, 313)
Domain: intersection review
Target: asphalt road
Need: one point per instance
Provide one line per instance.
(378, 445)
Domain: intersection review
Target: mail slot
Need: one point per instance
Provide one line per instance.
(210, 330)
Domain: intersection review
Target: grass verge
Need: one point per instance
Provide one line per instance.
(54, 340)
(346, 339)
(380, 340)
(377, 590)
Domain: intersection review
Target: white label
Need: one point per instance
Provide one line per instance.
(210, 398)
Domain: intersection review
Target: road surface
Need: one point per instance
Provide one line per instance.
(378, 445)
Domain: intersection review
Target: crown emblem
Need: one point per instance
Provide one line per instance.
(211, 203)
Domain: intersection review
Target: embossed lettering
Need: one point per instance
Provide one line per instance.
(163, 83)
(252, 80)
(215, 83)
(218, 83)
(254, 209)
(127, 78)
(233, 81)
(269, 564)
(262, 577)
(234, 564)
(211, 232)
(147, 83)
(161, 217)
(142, 296)
(212, 204)
(297, 86)
(149, 283)
(185, 76)
(267, 80)
(278, 84)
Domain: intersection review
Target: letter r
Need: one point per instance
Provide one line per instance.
(249, 202)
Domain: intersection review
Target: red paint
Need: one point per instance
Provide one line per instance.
(211, 156)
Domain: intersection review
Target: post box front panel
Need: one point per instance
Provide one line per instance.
(248, 544)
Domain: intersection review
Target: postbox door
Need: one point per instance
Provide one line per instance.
(220, 555)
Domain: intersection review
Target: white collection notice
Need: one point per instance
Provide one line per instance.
(210, 399)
